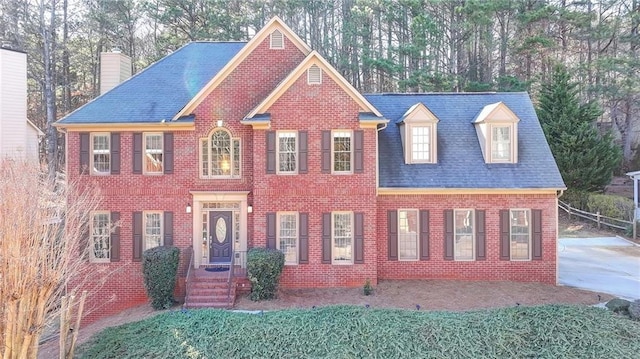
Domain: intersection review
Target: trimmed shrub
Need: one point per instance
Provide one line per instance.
(160, 268)
(576, 198)
(264, 266)
(618, 305)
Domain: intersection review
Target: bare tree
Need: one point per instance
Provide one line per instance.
(43, 228)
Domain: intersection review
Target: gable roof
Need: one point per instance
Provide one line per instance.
(313, 58)
(489, 111)
(159, 91)
(460, 162)
(274, 24)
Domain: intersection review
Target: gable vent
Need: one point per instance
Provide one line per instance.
(314, 75)
(277, 40)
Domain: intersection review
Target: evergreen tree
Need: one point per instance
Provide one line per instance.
(585, 158)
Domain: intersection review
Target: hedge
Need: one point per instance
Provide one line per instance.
(160, 268)
(608, 205)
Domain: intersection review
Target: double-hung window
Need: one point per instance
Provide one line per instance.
(342, 237)
(152, 230)
(408, 234)
(153, 153)
(500, 143)
(421, 144)
(287, 240)
(341, 146)
(100, 229)
(520, 234)
(287, 152)
(100, 153)
(464, 244)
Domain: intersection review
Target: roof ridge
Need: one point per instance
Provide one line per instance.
(443, 93)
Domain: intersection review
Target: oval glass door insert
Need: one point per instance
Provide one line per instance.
(221, 230)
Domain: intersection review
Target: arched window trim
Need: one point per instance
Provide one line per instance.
(206, 156)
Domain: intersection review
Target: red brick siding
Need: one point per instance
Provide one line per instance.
(120, 284)
(490, 269)
(315, 108)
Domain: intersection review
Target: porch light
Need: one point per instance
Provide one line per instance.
(249, 209)
(188, 208)
(219, 123)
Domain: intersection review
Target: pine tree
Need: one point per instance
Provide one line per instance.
(585, 158)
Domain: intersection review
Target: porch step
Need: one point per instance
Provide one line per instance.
(210, 290)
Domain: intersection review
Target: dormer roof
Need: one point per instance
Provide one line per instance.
(418, 113)
(496, 112)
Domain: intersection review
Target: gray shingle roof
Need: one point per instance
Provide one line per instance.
(460, 161)
(161, 90)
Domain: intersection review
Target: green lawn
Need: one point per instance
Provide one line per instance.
(358, 332)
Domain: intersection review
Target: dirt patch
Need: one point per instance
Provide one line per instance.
(575, 228)
(430, 295)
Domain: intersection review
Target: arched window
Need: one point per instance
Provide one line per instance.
(220, 155)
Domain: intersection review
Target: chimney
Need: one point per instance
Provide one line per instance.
(115, 67)
(13, 101)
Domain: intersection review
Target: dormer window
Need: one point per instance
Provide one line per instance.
(497, 130)
(277, 40)
(418, 131)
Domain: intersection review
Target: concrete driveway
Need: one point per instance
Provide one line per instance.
(604, 264)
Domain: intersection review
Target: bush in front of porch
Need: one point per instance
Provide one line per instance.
(264, 266)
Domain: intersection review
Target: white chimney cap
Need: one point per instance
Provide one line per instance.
(116, 50)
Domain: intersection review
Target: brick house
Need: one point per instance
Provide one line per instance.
(224, 146)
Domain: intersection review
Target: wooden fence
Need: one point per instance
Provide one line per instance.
(598, 218)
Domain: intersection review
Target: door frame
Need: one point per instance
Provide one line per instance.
(200, 197)
(229, 232)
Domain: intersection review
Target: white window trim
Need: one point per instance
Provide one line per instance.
(281, 47)
(417, 258)
(278, 171)
(278, 214)
(92, 154)
(144, 228)
(309, 79)
(92, 258)
(530, 235)
(473, 234)
(209, 159)
(512, 145)
(144, 153)
(333, 157)
(433, 155)
(333, 239)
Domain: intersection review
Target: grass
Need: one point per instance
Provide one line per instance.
(358, 332)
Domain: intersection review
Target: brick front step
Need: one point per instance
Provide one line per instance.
(216, 305)
(210, 299)
(209, 291)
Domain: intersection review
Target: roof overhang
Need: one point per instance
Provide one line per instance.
(417, 191)
(127, 126)
(634, 174)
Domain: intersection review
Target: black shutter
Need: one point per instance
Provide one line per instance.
(115, 237)
(325, 152)
(536, 219)
(115, 153)
(424, 235)
(358, 151)
(271, 151)
(358, 237)
(448, 234)
(304, 239)
(392, 235)
(505, 253)
(481, 252)
(86, 240)
(167, 156)
(85, 142)
(137, 236)
(326, 238)
(271, 230)
(137, 152)
(168, 228)
(303, 152)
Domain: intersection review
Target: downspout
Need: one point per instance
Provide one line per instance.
(384, 125)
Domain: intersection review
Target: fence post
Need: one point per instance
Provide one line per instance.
(598, 218)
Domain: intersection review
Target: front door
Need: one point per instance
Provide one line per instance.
(220, 236)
